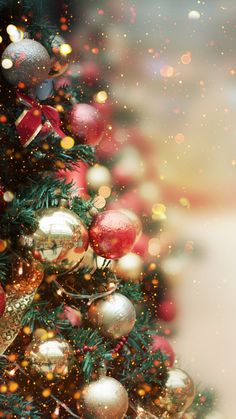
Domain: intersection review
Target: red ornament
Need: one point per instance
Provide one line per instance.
(112, 234)
(166, 310)
(86, 122)
(160, 343)
(2, 301)
(77, 175)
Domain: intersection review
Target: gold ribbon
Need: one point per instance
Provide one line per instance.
(26, 278)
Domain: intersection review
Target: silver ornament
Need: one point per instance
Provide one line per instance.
(60, 241)
(105, 398)
(44, 90)
(114, 315)
(25, 63)
(52, 356)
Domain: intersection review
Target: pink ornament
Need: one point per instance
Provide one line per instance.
(166, 310)
(160, 343)
(112, 234)
(2, 301)
(74, 316)
(86, 123)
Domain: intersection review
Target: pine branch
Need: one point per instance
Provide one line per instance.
(5, 265)
(16, 406)
(50, 318)
(203, 403)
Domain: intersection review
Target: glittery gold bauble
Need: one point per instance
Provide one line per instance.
(98, 176)
(59, 61)
(25, 63)
(20, 291)
(105, 398)
(53, 356)
(114, 315)
(178, 396)
(60, 241)
(129, 267)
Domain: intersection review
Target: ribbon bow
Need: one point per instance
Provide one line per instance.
(30, 122)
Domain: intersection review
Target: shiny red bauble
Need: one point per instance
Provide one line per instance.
(2, 301)
(161, 344)
(166, 310)
(86, 123)
(112, 234)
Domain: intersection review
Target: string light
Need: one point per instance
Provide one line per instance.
(65, 49)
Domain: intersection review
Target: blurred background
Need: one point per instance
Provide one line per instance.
(172, 64)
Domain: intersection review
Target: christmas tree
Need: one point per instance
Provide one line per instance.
(78, 333)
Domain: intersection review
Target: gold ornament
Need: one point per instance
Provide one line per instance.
(114, 315)
(60, 241)
(129, 267)
(51, 356)
(25, 279)
(98, 176)
(25, 63)
(105, 398)
(178, 396)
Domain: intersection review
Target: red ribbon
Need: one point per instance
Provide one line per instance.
(30, 123)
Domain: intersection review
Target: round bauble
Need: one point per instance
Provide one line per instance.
(112, 234)
(114, 315)
(86, 123)
(2, 301)
(98, 176)
(136, 220)
(129, 267)
(25, 63)
(179, 393)
(60, 241)
(60, 59)
(166, 310)
(52, 356)
(161, 344)
(105, 398)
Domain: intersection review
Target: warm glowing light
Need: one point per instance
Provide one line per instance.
(13, 386)
(179, 138)
(65, 49)
(101, 97)
(46, 392)
(17, 36)
(1, 39)
(194, 15)
(104, 191)
(184, 202)
(67, 143)
(154, 247)
(159, 212)
(11, 29)
(8, 196)
(186, 58)
(167, 71)
(7, 63)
